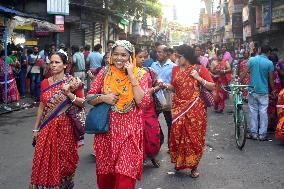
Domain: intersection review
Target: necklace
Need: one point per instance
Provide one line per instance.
(55, 80)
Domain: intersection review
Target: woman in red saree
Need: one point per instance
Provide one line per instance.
(242, 69)
(279, 132)
(119, 152)
(150, 116)
(273, 98)
(187, 139)
(56, 151)
(221, 70)
(12, 90)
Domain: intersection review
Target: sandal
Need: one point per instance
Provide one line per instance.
(155, 163)
(194, 173)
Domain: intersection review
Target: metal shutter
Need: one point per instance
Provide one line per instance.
(77, 35)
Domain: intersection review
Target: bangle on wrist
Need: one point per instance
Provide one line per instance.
(154, 90)
(205, 82)
(72, 101)
(35, 130)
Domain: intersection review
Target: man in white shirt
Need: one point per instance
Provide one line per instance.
(35, 74)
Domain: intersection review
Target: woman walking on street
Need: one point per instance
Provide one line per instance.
(221, 70)
(56, 151)
(119, 152)
(12, 90)
(187, 139)
(150, 116)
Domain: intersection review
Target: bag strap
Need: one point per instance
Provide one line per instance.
(185, 110)
(34, 62)
(150, 76)
(197, 68)
(89, 99)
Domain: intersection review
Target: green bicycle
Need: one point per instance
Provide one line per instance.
(239, 114)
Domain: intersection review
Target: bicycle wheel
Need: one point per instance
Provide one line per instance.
(240, 128)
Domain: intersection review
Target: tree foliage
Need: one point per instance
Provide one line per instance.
(136, 8)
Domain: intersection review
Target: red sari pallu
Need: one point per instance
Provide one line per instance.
(56, 152)
(221, 81)
(271, 110)
(12, 90)
(151, 125)
(279, 132)
(187, 139)
(246, 80)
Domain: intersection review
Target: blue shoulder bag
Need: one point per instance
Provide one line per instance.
(97, 120)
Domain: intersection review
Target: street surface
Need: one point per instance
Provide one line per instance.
(260, 165)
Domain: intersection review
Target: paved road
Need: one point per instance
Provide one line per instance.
(260, 165)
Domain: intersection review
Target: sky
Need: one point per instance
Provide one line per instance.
(187, 10)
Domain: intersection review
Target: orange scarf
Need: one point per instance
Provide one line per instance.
(117, 82)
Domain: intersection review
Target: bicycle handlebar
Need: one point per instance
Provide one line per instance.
(240, 86)
(236, 87)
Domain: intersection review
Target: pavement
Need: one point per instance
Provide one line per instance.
(24, 103)
(260, 165)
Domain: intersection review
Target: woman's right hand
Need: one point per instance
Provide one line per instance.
(162, 85)
(110, 98)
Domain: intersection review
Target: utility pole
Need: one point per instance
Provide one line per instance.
(106, 25)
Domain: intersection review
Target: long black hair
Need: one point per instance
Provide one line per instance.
(188, 53)
(137, 50)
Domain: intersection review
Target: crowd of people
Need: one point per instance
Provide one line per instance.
(27, 68)
(139, 85)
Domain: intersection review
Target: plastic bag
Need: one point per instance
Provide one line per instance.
(168, 96)
(161, 97)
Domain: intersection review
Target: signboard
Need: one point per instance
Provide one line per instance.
(214, 20)
(228, 32)
(245, 13)
(59, 21)
(278, 14)
(237, 24)
(31, 42)
(58, 7)
(238, 6)
(258, 16)
(183, 28)
(41, 31)
(266, 15)
(247, 31)
(29, 27)
(205, 20)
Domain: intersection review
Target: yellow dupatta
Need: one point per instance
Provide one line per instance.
(117, 82)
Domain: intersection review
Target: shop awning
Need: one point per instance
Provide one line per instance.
(21, 21)
(24, 21)
(29, 27)
(11, 12)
